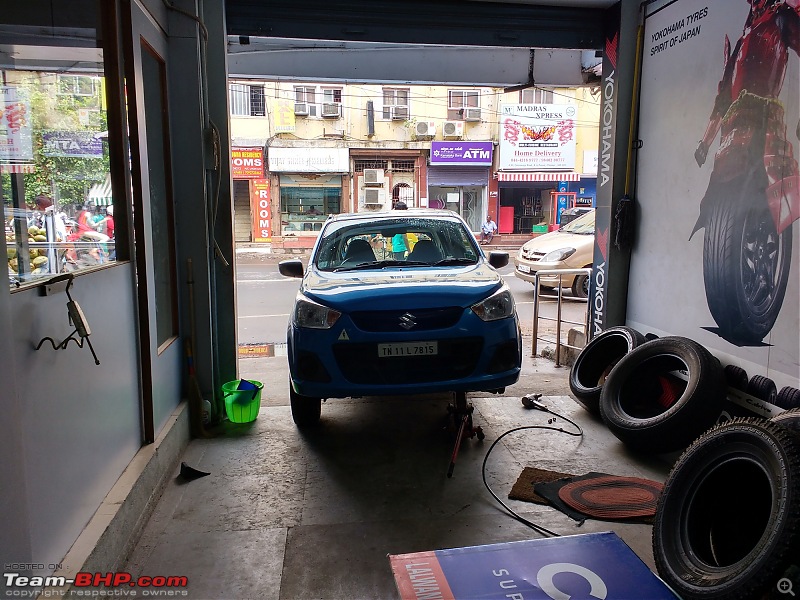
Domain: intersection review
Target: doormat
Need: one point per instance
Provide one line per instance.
(604, 497)
(530, 476)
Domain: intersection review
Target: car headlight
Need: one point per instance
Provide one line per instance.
(558, 255)
(313, 315)
(499, 305)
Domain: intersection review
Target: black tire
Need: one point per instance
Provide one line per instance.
(762, 388)
(727, 524)
(789, 419)
(788, 398)
(736, 377)
(595, 361)
(580, 286)
(745, 269)
(306, 411)
(663, 394)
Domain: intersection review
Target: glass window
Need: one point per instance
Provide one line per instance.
(536, 96)
(246, 100)
(332, 95)
(55, 182)
(257, 104)
(309, 96)
(458, 100)
(304, 209)
(394, 97)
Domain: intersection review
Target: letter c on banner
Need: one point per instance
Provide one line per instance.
(545, 575)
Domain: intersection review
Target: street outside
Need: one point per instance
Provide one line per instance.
(265, 298)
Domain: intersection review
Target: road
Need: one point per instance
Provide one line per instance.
(265, 298)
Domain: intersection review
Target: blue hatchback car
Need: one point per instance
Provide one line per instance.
(395, 303)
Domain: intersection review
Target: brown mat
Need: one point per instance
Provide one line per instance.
(611, 497)
(530, 476)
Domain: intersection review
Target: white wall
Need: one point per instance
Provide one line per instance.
(679, 85)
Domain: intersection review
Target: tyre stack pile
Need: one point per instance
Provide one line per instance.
(728, 520)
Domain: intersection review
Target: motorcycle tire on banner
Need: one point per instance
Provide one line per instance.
(745, 269)
(595, 361)
(788, 398)
(726, 523)
(663, 394)
(790, 419)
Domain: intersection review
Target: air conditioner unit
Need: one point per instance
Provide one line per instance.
(426, 129)
(453, 129)
(373, 177)
(331, 110)
(373, 196)
(399, 113)
(472, 114)
(301, 109)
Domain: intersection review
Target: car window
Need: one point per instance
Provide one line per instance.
(583, 225)
(386, 242)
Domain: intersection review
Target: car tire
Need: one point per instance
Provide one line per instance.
(306, 411)
(788, 398)
(789, 419)
(726, 523)
(595, 361)
(762, 388)
(736, 377)
(580, 286)
(663, 394)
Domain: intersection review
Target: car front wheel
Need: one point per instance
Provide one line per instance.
(305, 410)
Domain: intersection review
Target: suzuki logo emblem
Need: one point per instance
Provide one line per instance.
(407, 321)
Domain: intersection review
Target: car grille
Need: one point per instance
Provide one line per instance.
(532, 255)
(426, 319)
(360, 363)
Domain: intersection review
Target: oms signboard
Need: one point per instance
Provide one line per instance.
(247, 163)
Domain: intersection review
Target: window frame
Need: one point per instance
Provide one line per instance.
(395, 96)
(455, 108)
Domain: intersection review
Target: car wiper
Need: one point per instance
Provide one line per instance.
(382, 264)
(450, 260)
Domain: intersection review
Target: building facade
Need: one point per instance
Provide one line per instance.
(359, 147)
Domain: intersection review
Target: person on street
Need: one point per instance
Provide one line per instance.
(488, 230)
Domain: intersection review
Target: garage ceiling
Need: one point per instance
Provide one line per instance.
(417, 41)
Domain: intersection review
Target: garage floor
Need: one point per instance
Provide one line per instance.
(290, 515)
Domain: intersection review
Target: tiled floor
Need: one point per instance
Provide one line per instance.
(287, 515)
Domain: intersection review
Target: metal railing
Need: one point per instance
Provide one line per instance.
(557, 319)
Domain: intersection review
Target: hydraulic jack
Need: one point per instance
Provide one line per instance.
(460, 419)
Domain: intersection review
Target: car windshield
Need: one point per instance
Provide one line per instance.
(395, 242)
(583, 225)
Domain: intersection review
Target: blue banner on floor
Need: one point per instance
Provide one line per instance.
(592, 565)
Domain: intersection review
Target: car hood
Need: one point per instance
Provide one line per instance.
(557, 239)
(402, 287)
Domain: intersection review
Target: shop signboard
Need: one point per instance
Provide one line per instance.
(247, 162)
(72, 144)
(308, 160)
(537, 137)
(462, 153)
(16, 142)
(596, 565)
(261, 210)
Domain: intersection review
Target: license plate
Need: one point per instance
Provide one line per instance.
(523, 268)
(408, 349)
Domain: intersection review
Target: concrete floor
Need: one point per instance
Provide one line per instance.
(293, 515)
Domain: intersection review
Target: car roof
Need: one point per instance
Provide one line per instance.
(436, 213)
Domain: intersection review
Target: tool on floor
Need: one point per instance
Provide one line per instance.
(460, 415)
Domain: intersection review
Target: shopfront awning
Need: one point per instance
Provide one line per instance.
(538, 176)
(101, 194)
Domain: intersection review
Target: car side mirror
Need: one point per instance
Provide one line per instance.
(291, 268)
(498, 259)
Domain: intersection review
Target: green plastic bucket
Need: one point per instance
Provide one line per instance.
(242, 399)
